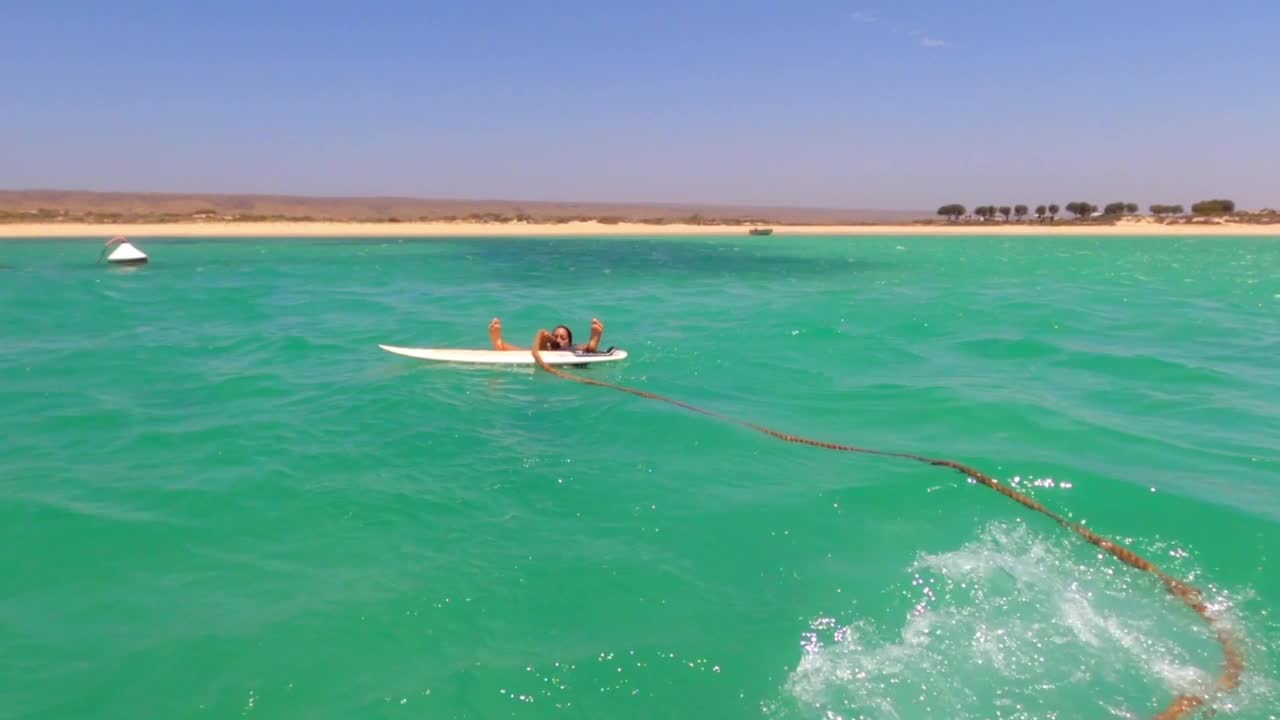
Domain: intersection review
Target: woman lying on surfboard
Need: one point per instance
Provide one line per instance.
(561, 338)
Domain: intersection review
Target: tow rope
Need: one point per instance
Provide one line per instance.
(1192, 597)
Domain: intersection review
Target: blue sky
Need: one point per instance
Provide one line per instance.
(870, 105)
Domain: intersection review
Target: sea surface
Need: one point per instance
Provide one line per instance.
(220, 499)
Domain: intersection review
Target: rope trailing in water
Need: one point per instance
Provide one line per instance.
(1182, 705)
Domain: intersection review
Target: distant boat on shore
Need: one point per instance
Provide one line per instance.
(761, 231)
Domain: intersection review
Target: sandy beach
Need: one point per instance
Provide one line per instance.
(472, 229)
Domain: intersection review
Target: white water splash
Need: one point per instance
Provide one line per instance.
(1018, 624)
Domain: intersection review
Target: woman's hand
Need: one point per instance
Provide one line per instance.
(544, 340)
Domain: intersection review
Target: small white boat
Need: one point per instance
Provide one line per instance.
(125, 253)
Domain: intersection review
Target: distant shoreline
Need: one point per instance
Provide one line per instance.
(76, 206)
(51, 230)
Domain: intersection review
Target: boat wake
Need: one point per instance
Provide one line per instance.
(1017, 625)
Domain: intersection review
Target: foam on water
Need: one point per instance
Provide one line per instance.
(1020, 624)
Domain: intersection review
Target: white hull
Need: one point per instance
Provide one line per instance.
(126, 254)
(504, 357)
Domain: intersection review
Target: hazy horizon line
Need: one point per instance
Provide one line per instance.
(465, 199)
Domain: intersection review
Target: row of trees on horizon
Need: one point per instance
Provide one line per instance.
(1080, 209)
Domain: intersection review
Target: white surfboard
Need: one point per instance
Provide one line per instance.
(506, 357)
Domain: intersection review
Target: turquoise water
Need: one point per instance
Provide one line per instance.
(219, 498)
